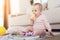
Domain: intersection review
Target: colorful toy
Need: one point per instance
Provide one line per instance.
(32, 16)
(2, 30)
(29, 34)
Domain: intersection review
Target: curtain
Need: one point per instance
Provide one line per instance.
(6, 12)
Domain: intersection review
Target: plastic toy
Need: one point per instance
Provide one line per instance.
(32, 16)
(2, 30)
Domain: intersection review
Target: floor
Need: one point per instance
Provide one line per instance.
(56, 37)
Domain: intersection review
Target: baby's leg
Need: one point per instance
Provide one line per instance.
(39, 32)
(29, 29)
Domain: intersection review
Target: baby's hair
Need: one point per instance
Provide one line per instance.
(40, 5)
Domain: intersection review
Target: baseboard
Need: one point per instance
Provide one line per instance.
(54, 30)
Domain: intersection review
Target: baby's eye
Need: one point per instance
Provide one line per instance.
(35, 10)
(32, 10)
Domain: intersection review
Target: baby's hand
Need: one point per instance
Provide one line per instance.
(32, 18)
(32, 21)
(29, 29)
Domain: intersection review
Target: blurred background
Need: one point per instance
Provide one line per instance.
(16, 13)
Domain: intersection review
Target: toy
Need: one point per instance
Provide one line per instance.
(32, 16)
(2, 30)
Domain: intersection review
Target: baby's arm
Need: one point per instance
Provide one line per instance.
(32, 18)
(29, 29)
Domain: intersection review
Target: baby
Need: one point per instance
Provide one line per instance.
(40, 23)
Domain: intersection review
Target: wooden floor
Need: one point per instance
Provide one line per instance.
(56, 37)
(53, 38)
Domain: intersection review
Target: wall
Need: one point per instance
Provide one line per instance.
(53, 3)
(53, 13)
(19, 6)
(1, 12)
(20, 9)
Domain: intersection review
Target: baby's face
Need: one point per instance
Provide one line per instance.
(36, 10)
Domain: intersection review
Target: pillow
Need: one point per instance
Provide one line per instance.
(18, 22)
(14, 29)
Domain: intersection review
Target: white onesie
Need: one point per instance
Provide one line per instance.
(41, 23)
